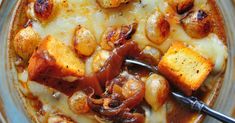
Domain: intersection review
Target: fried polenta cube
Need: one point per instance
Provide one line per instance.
(184, 67)
(54, 59)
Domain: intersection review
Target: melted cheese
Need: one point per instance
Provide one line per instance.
(60, 104)
(158, 116)
(89, 14)
(210, 47)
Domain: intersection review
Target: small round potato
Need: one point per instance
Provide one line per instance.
(117, 36)
(78, 102)
(197, 24)
(151, 54)
(157, 28)
(181, 6)
(99, 59)
(25, 42)
(157, 91)
(109, 37)
(184, 6)
(45, 9)
(130, 88)
(84, 42)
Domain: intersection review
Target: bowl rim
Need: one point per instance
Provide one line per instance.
(230, 62)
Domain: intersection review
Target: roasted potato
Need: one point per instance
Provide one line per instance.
(99, 60)
(83, 41)
(25, 42)
(157, 28)
(151, 55)
(116, 36)
(184, 6)
(157, 91)
(131, 87)
(108, 38)
(111, 3)
(181, 6)
(197, 24)
(78, 102)
(45, 9)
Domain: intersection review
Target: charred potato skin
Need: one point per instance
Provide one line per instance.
(116, 36)
(157, 28)
(197, 24)
(184, 6)
(25, 42)
(181, 6)
(83, 41)
(45, 9)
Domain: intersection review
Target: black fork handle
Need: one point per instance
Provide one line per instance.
(219, 116)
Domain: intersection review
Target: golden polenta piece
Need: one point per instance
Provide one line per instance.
(184, 67)
(54, 59)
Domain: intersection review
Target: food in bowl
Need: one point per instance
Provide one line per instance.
(69, 57)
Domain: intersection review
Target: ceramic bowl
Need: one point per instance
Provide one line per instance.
(11, 107)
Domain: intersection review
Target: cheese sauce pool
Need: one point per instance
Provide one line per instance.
(88, 13)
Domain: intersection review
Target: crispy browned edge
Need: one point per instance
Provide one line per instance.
(219, 27)
(15, 27)
(17, 22)
(220, 31)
